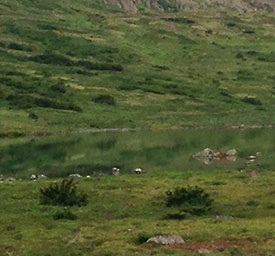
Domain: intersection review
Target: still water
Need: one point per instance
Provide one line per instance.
(97, 153)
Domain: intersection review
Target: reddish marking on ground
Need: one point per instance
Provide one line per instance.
(218, 245)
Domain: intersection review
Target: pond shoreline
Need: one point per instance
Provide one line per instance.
(12, 135)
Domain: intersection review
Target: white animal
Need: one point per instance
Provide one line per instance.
(137, 171)
(116, 171)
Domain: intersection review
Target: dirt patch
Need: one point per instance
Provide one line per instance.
(219, 245)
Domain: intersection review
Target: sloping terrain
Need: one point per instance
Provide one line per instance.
(84, 65)
(176, 5)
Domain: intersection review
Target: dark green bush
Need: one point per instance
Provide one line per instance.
(64, 214)
(49, 103)
(21, 101)
(63, 193)
(59, 88)
(142, 238)
(33, 116)
(105, 99)
(99, 66)
(192, 200)
(252, 100)
(52, 59)
(231, 24)
(180, 20)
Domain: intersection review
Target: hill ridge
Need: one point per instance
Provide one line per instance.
(168, 5)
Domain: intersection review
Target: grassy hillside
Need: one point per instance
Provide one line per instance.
(72, 65)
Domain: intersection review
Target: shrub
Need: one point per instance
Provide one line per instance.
(105, 99)
(49, 103)
(252, 100)
(59, 88)
(99, 66)
(64, 214)
(180, 20)
(52, 59)
(33, 116)
(64, 193)
(142, 238)
(21, 101)
(192, 200)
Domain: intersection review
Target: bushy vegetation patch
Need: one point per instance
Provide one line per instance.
(180, 20)
(24, 101)
(21, 101)
(64, 193)
(192, 200)
(59, 88)
(99, 66)
(142, 238)
(53, 59)
(252, 100)
(105, 99)
(49, 103)
(19, 47)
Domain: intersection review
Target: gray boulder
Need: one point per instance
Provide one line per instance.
(166, 239)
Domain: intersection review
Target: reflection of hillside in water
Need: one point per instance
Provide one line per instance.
(97, 154)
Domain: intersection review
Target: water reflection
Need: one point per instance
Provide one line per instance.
(95, 154)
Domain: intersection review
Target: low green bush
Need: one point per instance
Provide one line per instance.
(252, 100)
(142, 238)
(63, 193)
(99, 66)
(191, 200)
(53, 59)
(59, 88)
(105, 99)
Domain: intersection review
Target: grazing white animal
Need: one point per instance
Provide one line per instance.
(137, 171)
(38, 176)
(116, 171)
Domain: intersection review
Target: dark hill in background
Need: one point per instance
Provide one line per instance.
(82, 64)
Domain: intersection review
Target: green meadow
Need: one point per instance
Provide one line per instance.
(78, 65)
(123, 210)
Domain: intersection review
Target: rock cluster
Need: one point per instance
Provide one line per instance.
(208, 155)
(166, 239)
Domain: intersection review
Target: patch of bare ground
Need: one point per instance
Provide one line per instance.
(218, 245)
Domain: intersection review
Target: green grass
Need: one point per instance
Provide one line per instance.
(122, 208)
(163, 70)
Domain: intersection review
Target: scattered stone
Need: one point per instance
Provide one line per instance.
(208, 155)
(75, 175)
(137, 171)
(10, 179)
(231, 152)
(166, 239)
(223, 217)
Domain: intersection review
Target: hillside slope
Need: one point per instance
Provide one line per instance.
(81, 65)
(175, 5)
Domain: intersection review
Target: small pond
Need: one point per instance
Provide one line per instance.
(171, 150)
